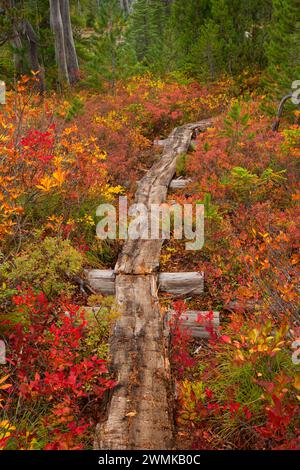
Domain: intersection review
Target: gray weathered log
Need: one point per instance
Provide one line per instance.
(189, 320)
(180, 183)
(103, 281)
(181, 283)
(139, 413)
(142, 256)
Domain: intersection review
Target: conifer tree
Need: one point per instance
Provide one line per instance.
(283, 48)
(148, 23)
(111, 56)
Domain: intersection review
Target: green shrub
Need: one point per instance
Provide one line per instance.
(47, 266)
(181, 165)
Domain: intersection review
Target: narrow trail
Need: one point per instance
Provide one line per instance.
(139, 412)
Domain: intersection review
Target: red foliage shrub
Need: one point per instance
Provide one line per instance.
(54, 375)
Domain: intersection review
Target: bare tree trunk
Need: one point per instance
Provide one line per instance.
(16, 42)
(126, 5)
(60, 48)
(71, 55)
(32, 39)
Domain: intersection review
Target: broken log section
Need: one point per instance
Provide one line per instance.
(181, 283)
(103, 281)
(198, 323)
(139, 413)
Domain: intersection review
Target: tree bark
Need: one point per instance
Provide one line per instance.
(60, 47)
(71, 55)
(16, 42)
(126, 5)
(32, 40)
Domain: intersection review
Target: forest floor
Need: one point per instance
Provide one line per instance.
(63, 156)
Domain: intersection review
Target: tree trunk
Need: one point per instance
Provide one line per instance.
(71, 55)
(126, 5)
(17, 47)
(60, 48)
(32, 39)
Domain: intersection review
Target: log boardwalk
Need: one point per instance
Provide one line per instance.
(139, 412)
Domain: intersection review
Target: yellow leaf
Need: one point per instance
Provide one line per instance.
(46, 184)
(4, 379)
(59, 175)
(297, 381)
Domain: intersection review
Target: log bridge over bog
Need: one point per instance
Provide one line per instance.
(139, 412)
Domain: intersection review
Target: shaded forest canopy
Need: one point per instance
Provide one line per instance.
(115, 39)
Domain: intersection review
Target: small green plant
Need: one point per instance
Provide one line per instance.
(181, 165)
(211, 211)
(75, 109)
(100, 316)
(236, 124)
(244, 183)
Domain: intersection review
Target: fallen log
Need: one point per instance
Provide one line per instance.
(198, 323)
(139, 413)
(181, 283)
(103, 281)
(142, 256)
(179, 183)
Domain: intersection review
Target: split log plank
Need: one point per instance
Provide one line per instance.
(192, 283)
(189, 319)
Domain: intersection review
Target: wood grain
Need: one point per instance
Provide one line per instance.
(139, 412)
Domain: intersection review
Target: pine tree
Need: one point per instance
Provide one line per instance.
(111, 57)
(186, 21)
(242, 29)
(283, 48)
(148, 25)
(207, 60)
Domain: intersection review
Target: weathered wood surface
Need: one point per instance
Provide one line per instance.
(139, 413)
(103, 281)
(190, 320)
(142, 256)
(181, 283)
(180, 183)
